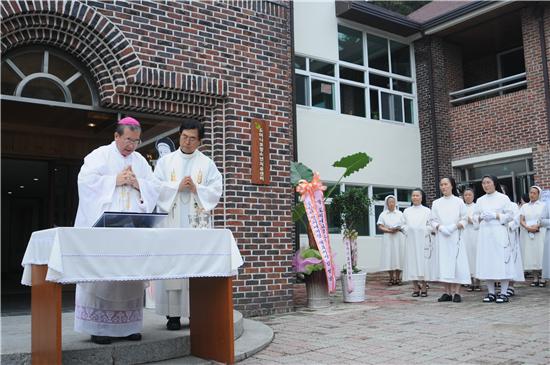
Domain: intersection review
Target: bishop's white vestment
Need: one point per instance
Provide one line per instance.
(111, 308)
(172, 296)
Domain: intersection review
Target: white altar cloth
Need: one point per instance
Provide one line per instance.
(78, 255)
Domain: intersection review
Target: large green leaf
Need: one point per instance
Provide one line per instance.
(353, 163)
(298, 212)
(299, 171)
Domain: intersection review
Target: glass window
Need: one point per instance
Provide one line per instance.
(404, 195)
(9, 80)
(332, 220)
(501, 169)
(80, 92)
(322, 94)
(60, 68)
(511, 63)
(378, 209)
(321, 67)
(300, 62)
(380, 81)
(400, 58)
(29, 62)
(408, 110)
(392, 109)
(402, 86)
(381, 193)
(374, 108)
(378, 52)
(352, 100)
(301, 89)
(351, 74)
(350, 45)
(43, 89)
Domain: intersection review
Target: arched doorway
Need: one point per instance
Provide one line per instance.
(51, 118)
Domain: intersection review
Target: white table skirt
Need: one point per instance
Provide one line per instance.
(77, 255)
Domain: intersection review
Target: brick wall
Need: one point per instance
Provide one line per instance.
(497, 124)
(224, 62)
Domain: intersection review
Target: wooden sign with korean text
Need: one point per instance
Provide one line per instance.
(260, 152)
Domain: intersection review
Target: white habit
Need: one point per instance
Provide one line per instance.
(172, 296)
(494, 249)
(513, 236)
(532, 246)
(469, 236)
(111, 308)
(419, 254)
(545, 223)
(453, 260)
(392, 243)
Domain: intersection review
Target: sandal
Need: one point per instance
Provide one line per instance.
(489, 298)
(390, 283)
(510, 292)
(423, 294)
(502, 298)
(534, 284)
(542, 284)
(398, 282)
(477, 288)
(470, 288)
(416, 294)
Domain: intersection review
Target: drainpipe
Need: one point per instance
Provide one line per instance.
(293, 101)
(432, 117)
(540, 16)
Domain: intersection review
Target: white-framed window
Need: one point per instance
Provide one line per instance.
(373, 78)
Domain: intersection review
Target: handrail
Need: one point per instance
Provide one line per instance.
(461, 95)
(487, 84)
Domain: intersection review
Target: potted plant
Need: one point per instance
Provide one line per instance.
(316, 281)
(351, 206)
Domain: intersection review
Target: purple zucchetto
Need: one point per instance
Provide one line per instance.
(129, 121)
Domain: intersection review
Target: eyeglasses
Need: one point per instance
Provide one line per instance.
(129, 141)
(191, 139)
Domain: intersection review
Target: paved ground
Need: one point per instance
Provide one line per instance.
(391, 327)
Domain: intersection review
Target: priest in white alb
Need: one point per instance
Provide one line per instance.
(192, 186)
(113, 178)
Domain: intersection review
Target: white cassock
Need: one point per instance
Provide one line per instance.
(172, 296)
(532, 245)
(392, 243)
(453, 259)
(545, 223)
(419, 254)
(469, 236)
(111, 308)
(495, 259)
(513, 236)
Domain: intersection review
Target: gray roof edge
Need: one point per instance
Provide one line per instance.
(458, 12)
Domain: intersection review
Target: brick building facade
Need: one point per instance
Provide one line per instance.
(492, 124)
(223, 62)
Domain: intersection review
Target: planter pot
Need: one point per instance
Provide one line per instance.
(358, 294)
(317, 290)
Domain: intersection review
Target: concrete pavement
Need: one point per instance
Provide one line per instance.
(391, 327)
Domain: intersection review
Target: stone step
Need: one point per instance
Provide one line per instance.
(157, 343)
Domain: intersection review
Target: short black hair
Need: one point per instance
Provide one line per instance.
(191, 123)
(424, 201)
(494, 179)
(452, 180)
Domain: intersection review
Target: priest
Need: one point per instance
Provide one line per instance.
(192, 185)
(113, 178)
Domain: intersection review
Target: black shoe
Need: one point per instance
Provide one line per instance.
(101, 340)
(134, 337)
(173, 323)
(457, 298)
(445, 298)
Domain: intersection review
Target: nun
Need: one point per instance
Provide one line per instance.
(470, 236)
(449, 217)
(390, 223)
(494, 249)
(531, 236)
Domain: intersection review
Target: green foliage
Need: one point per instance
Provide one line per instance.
(353, 163)
(299, 171)
(311, 252)
(351, 206)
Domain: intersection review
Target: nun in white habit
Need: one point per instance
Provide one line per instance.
(390, 222)
(113, 178)
(545, 223)
(513, 236)
(449, 216)
(419, 265)
(470, 236)
(531, 236)
(494, 249)
(192, 185)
